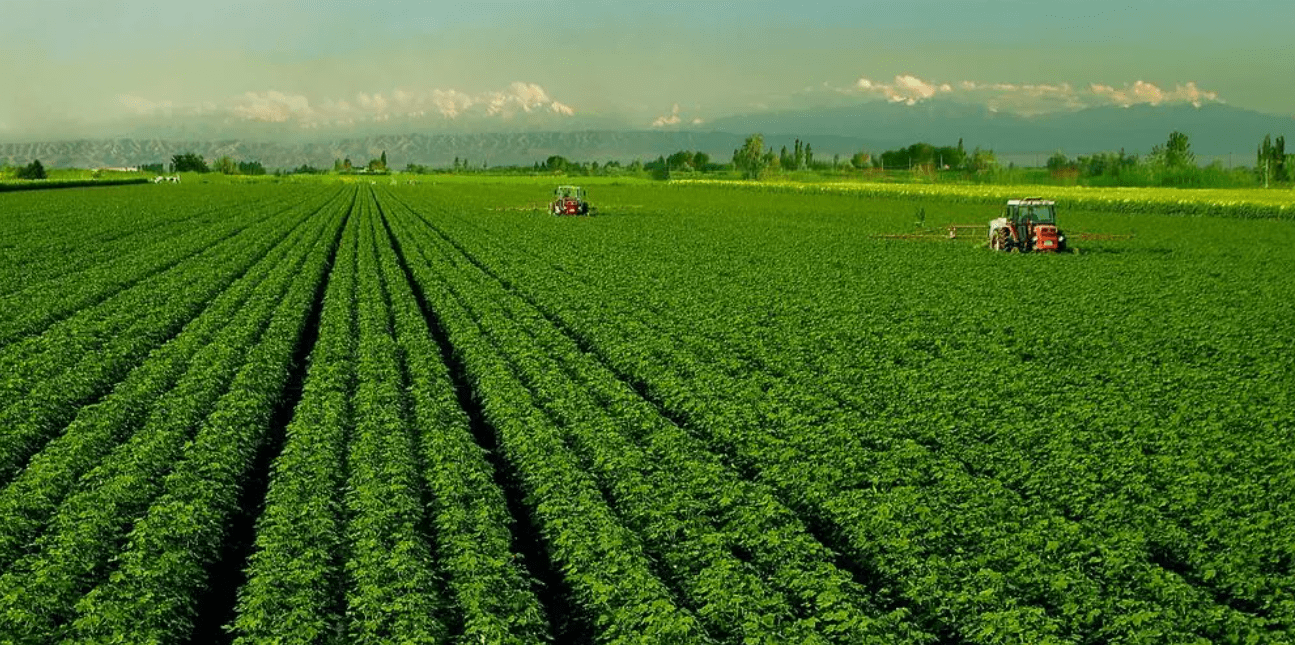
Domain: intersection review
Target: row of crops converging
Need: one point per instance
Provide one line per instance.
(371, 414)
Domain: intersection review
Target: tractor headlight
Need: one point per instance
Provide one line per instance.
(1034, 239)
(1061, 238)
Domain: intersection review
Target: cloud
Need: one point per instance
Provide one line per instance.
(273, 106)
(672, 118)
(675, 117)
(1028, 98)
(1143, 92)
(905, 89)
(528, 97)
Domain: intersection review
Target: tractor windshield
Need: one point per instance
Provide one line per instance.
(1039, 214)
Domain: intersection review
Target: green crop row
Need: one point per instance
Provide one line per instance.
(357, 565)
(55, 238)
(1207, 516)
(711, 414)
(467, 508)
(54, 300)
(151, 596)
(1171, 503)
(52, 375)
(75, 548)
(602, 560)
(688, 374)
(756, 599)
(26, 504)
(294, 582)
(391, 592)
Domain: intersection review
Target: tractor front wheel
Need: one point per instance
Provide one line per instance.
(1000, 240)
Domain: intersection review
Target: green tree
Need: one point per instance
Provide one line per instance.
(751, 159)
(556, 163)
(682, 160)
(1059, 162)
(226, 166)
(189, 162)
(861, 160)
(983, 160)
(1271, 164)
(660, 168)
(951, 156)
(33, 170)
(808, 157)
(918, 154)
(1176, 153)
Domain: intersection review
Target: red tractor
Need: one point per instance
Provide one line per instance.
(570, 200)
(1028, 224)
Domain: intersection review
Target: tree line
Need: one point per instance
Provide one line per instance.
(1170, 164)
(1174, 164)
(192, 162)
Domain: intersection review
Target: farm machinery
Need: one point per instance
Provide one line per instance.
(567, 200)
(1028, 224)
(570, 200)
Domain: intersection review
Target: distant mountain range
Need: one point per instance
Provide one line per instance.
(1215, 131)
(494, 149)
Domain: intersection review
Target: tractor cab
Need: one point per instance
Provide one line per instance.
(569, 200)
(1028, 224)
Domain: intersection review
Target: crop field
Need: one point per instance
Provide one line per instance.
(354, 413)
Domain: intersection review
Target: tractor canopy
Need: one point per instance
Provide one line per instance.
(569, 192)
(1031, 209)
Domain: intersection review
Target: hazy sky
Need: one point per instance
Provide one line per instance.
(76, 67)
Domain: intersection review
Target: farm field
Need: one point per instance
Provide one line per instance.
(354, 413)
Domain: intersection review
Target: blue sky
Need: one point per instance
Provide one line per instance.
(81, 66)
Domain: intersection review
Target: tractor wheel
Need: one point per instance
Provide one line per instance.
(1001, 240)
